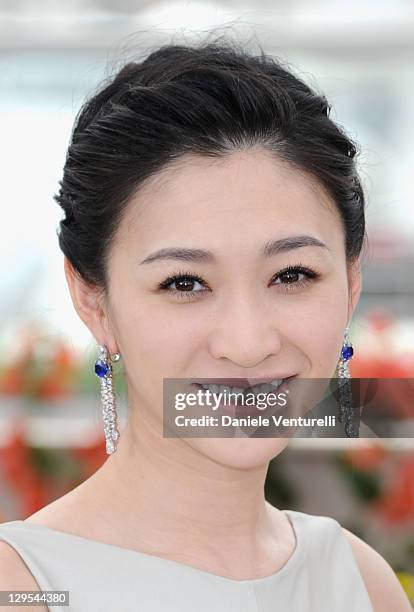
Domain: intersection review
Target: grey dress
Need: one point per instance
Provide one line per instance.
(320, 576)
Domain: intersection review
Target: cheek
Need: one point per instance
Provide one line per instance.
(330, 325)
(157, 344)
(170, 331)
(316, 327)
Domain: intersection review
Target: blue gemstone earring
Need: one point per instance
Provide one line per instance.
(103, 369)
(346, 410)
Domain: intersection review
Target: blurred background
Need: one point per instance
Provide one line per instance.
(53, 55)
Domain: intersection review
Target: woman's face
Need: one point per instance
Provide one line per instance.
(242, 319)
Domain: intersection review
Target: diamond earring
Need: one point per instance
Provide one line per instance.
(346, 410)
(103, 369)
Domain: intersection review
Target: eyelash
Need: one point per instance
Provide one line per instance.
(311, 276)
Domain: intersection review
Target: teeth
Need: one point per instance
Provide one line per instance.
(262, 388)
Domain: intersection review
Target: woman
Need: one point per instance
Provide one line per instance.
(180, 172)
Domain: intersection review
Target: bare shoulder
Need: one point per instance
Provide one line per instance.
(16, 576)
(383, 586)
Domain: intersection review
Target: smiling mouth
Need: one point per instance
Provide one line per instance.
(242, 385)
(229, 395)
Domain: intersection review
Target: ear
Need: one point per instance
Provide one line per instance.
(90, 305)
(354, 286)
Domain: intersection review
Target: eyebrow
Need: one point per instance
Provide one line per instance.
(269, 249)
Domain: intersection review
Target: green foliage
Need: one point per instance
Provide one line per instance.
(366, 486)
(279, 491)
(55, 464)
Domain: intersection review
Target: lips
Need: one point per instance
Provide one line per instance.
(243, 383)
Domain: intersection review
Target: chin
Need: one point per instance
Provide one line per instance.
(240, 453)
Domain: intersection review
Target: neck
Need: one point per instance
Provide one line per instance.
(164, 496)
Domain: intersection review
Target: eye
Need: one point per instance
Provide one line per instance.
(291, 274)
(185, 282)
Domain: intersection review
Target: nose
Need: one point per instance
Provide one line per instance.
(247, 335)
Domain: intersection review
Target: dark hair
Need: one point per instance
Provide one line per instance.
(210, 100)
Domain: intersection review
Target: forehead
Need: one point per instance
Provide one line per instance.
(247, 193)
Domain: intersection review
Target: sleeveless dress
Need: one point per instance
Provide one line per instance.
(321, 575)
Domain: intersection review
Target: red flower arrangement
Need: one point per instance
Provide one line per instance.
(43, 368)
(394, 501)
